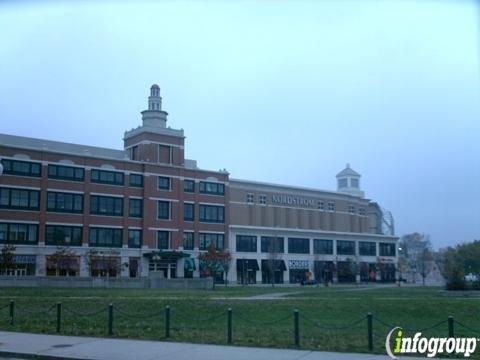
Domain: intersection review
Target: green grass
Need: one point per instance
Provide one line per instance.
(199, 315)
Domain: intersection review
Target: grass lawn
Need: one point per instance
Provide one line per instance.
(332, 319)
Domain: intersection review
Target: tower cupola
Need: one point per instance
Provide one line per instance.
(348, 181)
(154, 116)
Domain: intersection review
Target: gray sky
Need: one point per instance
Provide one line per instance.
(284, 92)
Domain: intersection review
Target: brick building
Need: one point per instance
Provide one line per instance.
(147, 210)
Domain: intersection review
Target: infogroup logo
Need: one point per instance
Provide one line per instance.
(428, 346)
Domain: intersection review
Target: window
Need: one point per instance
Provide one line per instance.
(250, 198)
(163, 211)
(387, 249)
(135, 207)
(64, 202)
(164, 154)
(136, 180)
(321, 205)
(189, 186)
(134, 153)
(19, 199)
(163, 240)
(188, 242)
(66, 173)
(361, 211)
(262, 199)
(163, 183)
(106, 205)
(212, 188)
(351, 209)
(367, 248)
(298, 246)
(134, 238)
(105, 237)
(345, 247)
(321, 246)
(18, 233)
(271, 244)
(212, 213)
(354, 183)
(188, 212)
(22, 168)
(343, 182)
(106, 177)
(205, 239)
(63, 235)
(246, 243)
(331, 206)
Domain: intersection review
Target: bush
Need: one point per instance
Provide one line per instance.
(456, 280)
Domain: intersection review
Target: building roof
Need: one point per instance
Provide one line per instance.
(348, 171)
(298, 190)
(61, 147)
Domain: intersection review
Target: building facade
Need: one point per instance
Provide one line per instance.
(75, 210)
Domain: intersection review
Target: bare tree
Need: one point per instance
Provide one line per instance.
(63, 260)
(111, 264)
(416, 255)
(272, 258)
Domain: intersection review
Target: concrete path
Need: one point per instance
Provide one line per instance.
(68, 347)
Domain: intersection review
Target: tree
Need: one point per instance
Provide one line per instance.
(63, 260)
(272, 258)
(215, 259)
(458, 261)
(416, 255)
(103, 263)
(7, 261)
(453, 269)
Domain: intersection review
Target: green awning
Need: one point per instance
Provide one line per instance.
(189, 264)
(247, 264)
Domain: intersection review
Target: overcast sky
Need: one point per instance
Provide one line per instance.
(283, 92)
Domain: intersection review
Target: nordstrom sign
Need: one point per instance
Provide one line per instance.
(293, 201)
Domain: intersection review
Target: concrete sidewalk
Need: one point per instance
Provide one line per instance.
(69, 347)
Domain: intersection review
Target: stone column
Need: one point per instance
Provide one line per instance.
(181, 268)
(40, 265)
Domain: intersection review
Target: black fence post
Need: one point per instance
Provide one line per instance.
(451, 332)
(167, 321)
(296, 327)
(110, 319)
(370, 331)
(59, 316)
(12, 311)
(229, 325)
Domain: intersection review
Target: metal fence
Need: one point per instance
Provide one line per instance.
(173, 321)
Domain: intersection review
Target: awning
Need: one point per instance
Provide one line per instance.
(22, 259)
(247, 264)
(66, 263)
(277, 265)
(189, 264)
(166, 255)
(105, 263)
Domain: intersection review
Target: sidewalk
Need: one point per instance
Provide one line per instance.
(70, 347)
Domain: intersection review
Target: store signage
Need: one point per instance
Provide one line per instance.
(298, 264)
(293, 200)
